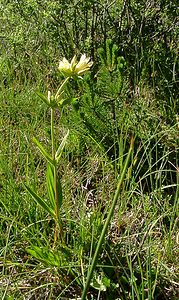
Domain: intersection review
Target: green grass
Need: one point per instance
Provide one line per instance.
(138, 258)
(139, 255)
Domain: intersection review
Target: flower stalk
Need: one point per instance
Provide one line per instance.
(58, 223)
(70, 70)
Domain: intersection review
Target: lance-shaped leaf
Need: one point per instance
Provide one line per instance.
(51, 189)
(44, 98)
(45, 256)
(50, 100)
(40, 201)
(60, 194)
(51, 257)
(50, 184)
(44, 152)
(61, 147)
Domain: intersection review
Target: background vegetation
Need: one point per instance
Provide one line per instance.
(131, 90)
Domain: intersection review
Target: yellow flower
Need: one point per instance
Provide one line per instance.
(75, 68)
(83, 65)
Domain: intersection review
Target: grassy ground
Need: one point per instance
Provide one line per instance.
(139, 256)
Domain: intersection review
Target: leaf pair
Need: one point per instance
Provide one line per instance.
(59, 151)
(51, 101)
(49, 257)
(48, 207)
(51, 187)
(41, 201)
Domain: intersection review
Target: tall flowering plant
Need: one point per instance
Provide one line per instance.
(73, 69)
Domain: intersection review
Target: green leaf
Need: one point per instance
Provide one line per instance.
(44, 152)
(51, 189)
(60, 194)
(61, 147)
(40, 201)
(44, 98)
(50, 184)
(45, 255)
(100, 283)
(51, 257)
(51, 103)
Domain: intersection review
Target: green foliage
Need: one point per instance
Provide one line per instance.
(133, 88)
(59, 151)
(50, 187)
(102, 103)
(44, 152)
(41, 202)
(49, 257)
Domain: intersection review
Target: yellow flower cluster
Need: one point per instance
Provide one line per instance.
(75, 68)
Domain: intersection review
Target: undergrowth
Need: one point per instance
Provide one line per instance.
(138, 259)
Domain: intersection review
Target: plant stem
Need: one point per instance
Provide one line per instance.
(58, 223)
(52, 133)
(61, 86)
(110, 214)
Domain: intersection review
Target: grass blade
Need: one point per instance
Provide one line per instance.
(110, 214)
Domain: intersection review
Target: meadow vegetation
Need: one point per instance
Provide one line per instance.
(118, 167)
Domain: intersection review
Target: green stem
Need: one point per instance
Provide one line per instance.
(110, 214)
(61, 86)
(58, 225)
(52, 133)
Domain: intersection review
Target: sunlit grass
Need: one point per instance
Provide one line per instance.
(138, 258)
